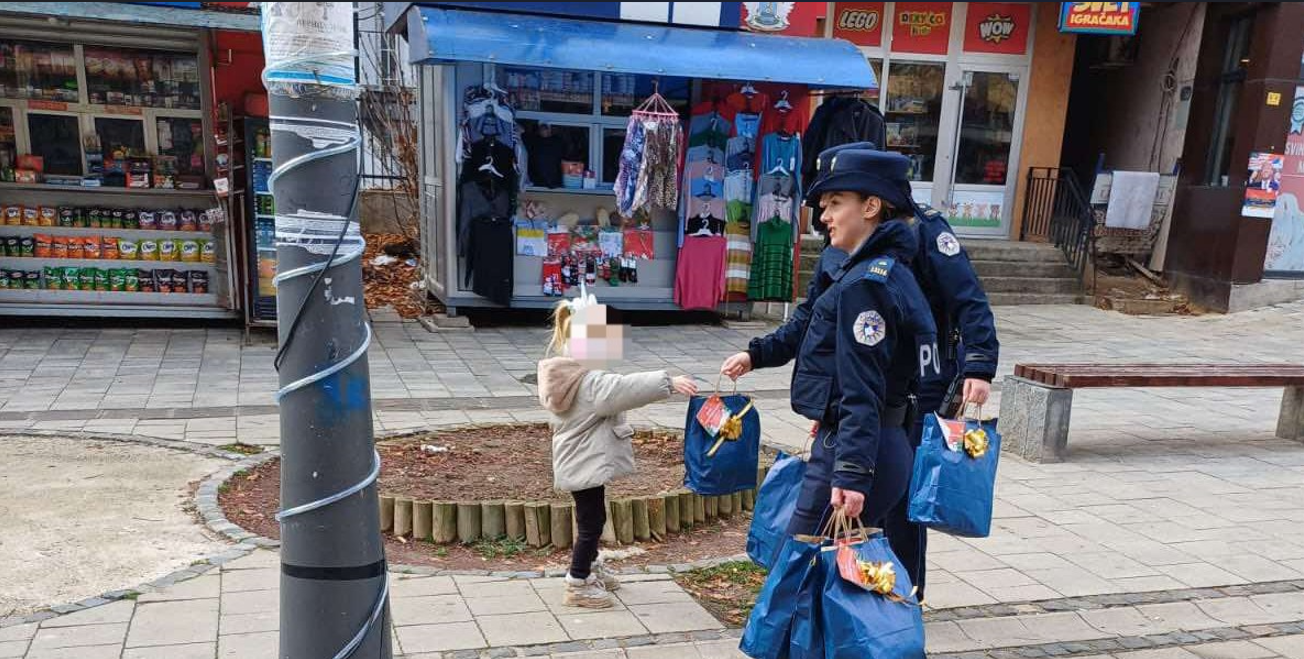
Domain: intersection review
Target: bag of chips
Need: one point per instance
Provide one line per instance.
(115, 219)
(145, 281)
(32, 280)
(167, 250)
(10, 246)
(91, 247)
(207, 251)
(87, 278)
(147, 219)
(131, 280)
(162, 279)
(206, 221)
(101, 279)
(148, 250)
(59, 247)
(188, 221)
(26, 246)
(167, 221)
(130, 220)
(117, 280)
(13, 215)
(75, 250)
(109, 248)
(198, 281)
(72, 279)
(128, 250)
(4, 279)
(180, 281)
(31, 216)
(53, 278)
(67, 216)
(41, 246)
(49, 216)
(190, 251)
(95, 218)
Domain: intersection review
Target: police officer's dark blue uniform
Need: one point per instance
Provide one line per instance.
(865, 321)
(967, 330)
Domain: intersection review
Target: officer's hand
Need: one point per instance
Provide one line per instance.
(737, 366)
(850, 501)
(977, 391)
(684, 385)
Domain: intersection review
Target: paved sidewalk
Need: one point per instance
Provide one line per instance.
(232, 612)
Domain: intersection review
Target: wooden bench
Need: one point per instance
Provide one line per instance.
(1036, 400)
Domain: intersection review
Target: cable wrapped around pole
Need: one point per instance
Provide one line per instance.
(334, 586)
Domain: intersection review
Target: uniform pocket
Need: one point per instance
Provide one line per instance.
(810, 395)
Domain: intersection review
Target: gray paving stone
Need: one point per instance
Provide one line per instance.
(652, 592)
(18, 632)
(248, 623)
(686, 651)
(237, 580)
(84, 652)
(174, 623)
(1232, 650)
(13, 649)
(421, 586)
(439, 638)
(522, 629)
(435, 609)
(256, 601)
(205, 587)
(68, 637)
(674, 617)
(489, 606)
(248, 646)
(190, 651)
(602, 624)
(115, 612)
(497, 588)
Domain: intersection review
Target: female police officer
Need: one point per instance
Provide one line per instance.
(859, 359)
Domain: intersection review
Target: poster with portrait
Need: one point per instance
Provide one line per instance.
(1262, 184)
(1286, 238)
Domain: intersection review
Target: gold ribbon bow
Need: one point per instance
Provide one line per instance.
(878, 577)
(976, 442)
(731, 430)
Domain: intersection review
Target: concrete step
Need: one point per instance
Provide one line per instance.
(1004, 250)
(1032, 285)
(1009, 299)
(1022, 269)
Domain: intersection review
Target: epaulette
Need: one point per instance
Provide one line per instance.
(929, 211)
(879, 268)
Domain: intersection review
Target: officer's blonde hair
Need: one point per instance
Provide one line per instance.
(561, 328)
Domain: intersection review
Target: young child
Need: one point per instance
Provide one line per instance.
(590, 439)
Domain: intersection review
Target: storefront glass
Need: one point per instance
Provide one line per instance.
(121, 138)
(547, 90)
(914, 112)
(56, 138)
(183, 140)
(558, 153)
(873, 95)
(142, 78)
(987, 129)
(8, 142)
(38, 71)
(622, 92)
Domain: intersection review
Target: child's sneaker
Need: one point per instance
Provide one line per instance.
(586, 593)
(608, 578)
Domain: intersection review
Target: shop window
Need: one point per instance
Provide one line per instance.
(914, 112)
(873, 95)
(1235, 62)
(613, 142)
(181, 145)
(121, 138)
(8, 144)
(547, 90)
(558, 154)
(38, 71)
(142, 78)
(622, 92)
(986, 129)
(56, 138)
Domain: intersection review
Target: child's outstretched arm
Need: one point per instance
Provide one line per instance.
(614, 393)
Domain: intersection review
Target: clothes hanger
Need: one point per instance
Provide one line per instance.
(488, 166)
(782, 105)
(748, 90)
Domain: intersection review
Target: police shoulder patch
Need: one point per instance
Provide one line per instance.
(870, 328)
(880, 268)
(948, 244)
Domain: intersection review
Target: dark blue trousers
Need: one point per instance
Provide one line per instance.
(891, 480)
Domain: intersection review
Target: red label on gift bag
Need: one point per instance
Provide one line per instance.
(713, 415)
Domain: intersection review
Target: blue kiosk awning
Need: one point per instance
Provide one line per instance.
(441, 35)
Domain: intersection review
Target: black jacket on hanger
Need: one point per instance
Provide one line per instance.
(840, 120)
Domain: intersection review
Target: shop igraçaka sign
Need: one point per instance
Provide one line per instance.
(1099, 17)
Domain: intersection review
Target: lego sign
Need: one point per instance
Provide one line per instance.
(921, 27)
(860, 23)
(1099, 17)
(997, 27)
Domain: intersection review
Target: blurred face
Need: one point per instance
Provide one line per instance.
(593, 342)
(849, 218)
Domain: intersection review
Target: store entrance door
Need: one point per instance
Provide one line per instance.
(984, 129)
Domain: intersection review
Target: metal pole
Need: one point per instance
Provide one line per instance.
(334, 590)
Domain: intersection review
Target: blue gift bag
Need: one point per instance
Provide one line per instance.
(775, 503)
(859, 623)
(953, 484)
(794, 583)
(723, 462)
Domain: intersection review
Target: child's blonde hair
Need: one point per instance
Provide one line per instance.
(561, 326)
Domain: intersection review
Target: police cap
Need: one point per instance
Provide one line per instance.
(859, 167)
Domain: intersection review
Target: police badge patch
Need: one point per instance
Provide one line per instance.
(948, 244)
(870, 328)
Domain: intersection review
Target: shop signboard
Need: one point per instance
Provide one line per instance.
(997, 27)
(979, 209)
(706, 14)
(860, 23)
(1099, 17)
(921, 27)
(1286, 238)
